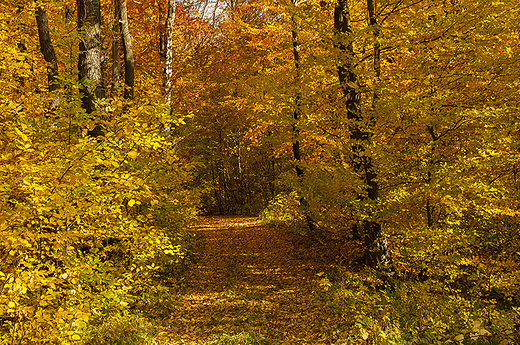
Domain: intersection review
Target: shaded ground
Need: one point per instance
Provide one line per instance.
(249, 278)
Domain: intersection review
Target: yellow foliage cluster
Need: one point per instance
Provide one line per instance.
(85, 224)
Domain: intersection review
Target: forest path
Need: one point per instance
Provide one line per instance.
(250, 280)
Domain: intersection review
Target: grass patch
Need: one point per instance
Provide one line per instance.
(122, 330)
(158, 303)
(243, 338)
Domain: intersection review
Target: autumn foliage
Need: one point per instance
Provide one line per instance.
(86, 223)
(95, 206)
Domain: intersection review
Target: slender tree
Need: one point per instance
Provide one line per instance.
(297, 114)
(128, 51)
(47, 49)
(168, 38)
(372, 16)
(377, 254)
(89, 60)
(116, 36)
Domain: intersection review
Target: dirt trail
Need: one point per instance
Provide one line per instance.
(249, 278)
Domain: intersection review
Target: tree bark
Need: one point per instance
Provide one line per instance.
(372, 15)
(128, 52)
(377, 254)
(89, 60)
(116, 36)
(162, 34)
(297, 114)
(168, 37)
(47, 50)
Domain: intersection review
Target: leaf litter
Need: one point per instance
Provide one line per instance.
(251, 278)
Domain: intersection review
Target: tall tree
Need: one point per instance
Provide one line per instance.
(170, 20)
(116, 36)
(89, 60)
(128, 51)
(372, 17)
(297, 113)
(47, 49)
(377, 253)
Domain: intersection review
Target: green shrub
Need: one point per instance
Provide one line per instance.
(418, 313)
(284, 210)
(121, 330)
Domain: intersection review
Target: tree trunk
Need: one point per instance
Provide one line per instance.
(168, 69)
(372, 15)
(297, 114)
(128, 52)
(162, 34)
(116, 36)
(89, 60)
(49, 55)
(377, 254)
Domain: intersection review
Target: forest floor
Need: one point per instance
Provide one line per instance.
(254, 284)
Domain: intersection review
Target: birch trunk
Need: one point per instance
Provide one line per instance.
(128, 52)
(168, 37)
(89, 60)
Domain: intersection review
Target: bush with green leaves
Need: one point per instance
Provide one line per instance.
(418, 313)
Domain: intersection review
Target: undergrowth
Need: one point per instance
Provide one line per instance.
(429, 312)
(124, 329)
(458, 279)
(243, 338)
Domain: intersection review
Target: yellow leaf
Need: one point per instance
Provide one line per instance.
(83, 316)
(20, 133)
(81, 323)
(12, 304)
(133, 155)
(459, 337)
(131, 203)
(484, 332)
